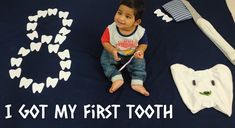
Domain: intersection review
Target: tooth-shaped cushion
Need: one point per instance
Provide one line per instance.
(205, 88)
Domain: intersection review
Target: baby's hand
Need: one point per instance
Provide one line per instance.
(115, 55)
(139, 54)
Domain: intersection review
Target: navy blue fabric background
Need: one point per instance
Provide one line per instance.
(169, 43)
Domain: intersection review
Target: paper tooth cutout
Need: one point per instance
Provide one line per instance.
(205, 88)
(59, 39)
(24, 82)
(33, 18)
(52, 11)
(65, 64)
(167, 18)
(31, 26)
(64, 75)
(67, 22)
(42, 13)
(64, 31)
(35, 46)
(33, 35)
(211, 33)
(63, 15)
(15, 73)
(51, 82)
(53, 48)
(159, 13)
(37, 87)
(16, 61)
(64, 54)
(23, 51)
(46, 39)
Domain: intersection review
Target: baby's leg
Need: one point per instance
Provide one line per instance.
(117, 83)
(140, 89)
(108, 64)
(138, 74)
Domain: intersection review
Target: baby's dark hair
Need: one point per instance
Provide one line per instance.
(137, 5)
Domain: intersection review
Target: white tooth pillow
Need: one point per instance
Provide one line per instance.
(205, 88)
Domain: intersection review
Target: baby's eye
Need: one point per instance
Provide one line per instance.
(194, 82)
(128, 17)
(120, 13)
(213, 82)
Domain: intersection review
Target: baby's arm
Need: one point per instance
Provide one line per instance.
(140, 51)
(112, 50)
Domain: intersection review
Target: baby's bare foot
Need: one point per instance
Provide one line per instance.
(140, 89)
(116, 85)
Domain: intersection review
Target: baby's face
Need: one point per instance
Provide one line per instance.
(125, 18)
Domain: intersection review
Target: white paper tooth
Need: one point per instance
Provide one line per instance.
(53, 48)
(35, 46)
(52, 11)
(16, 61)
(42, 13)
(24, 82)
(37, 87)
(15, 73)
(59, 39)
(64, 75)
(65, 64)
(67, 22)
(45, 38)
(167, 18)
(33, 18)
(64, 54)
(63, 15)
(33, 35)
(51, 82)
(23, 51)
(159, 13)
(64, 31)
(31, 26)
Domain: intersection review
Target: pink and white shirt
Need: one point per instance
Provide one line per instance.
(126, 44)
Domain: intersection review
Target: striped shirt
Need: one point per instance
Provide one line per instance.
(177, 10)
